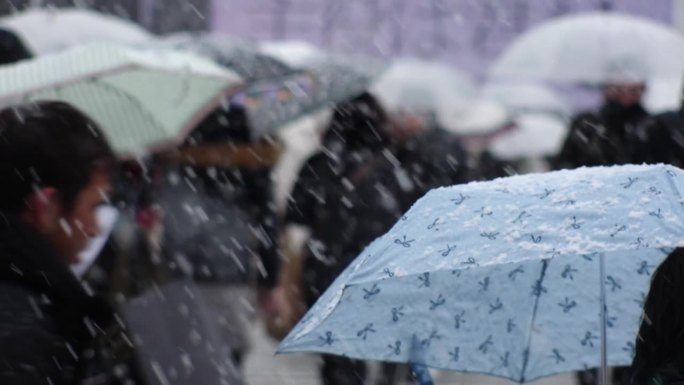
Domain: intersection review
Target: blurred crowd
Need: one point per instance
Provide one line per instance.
(256, 226)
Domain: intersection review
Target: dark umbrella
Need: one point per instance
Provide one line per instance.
(275, 93)
(237, 55)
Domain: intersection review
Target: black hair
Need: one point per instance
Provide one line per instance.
(48, 144)
(12, 49)
(358, 123)
(222, 125)
(660, 342)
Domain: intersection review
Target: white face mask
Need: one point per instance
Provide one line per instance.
(107, 217)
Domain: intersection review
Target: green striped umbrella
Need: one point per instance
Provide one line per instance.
(144, 100)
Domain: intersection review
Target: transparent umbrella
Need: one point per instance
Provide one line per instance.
(594, 48)
(428, 86)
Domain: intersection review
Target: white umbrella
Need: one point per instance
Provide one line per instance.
(293, 52)
(142, 99)
(535, 135)
(527, 97)
(594, 48)
(49, 30)
(664, 95)
(423, 86)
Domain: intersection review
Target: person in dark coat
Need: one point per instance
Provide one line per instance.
(418, 160)
(220, 226)
(615, 134)
(666, 138)
(369, 172)
(55, 168)
(659, 358)
(322, 201)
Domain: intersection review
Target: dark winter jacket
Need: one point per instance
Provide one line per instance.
(51, 330)
(666, 138)
(219, 224)
(349, 198)
(615, 135)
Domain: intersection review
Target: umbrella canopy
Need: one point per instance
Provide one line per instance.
(142, 99)
(664, 95)
(505, 277)
(528, 97)
(239, 56)
(594, 48)
(535, 135)
(339, 77)
(50, 30)
(275, 94)
(422, 86)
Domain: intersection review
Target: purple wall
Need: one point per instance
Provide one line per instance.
(467, 33)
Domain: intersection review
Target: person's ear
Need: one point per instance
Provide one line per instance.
(44, 209)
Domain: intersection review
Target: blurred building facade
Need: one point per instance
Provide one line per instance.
(467, 33)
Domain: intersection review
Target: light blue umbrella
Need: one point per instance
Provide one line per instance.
(507, 277)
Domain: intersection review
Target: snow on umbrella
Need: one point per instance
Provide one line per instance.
(664, 95)
(275, 94)
(338, 77)
(294, 53)
(424, 86)
(144, 100)
(507, 277)
(239, 56)
(51, 30)
(587, 47)
(523, 97)
(535, 135)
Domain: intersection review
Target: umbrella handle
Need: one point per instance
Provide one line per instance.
(603, 371)
(421, 374)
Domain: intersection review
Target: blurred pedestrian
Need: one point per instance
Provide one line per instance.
(322, 201)
(369, 172)
(659, 358)
(615, 134)
(666, 137)
(220, 225)
(55, 167)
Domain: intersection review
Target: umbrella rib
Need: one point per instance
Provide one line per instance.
(538, 294)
